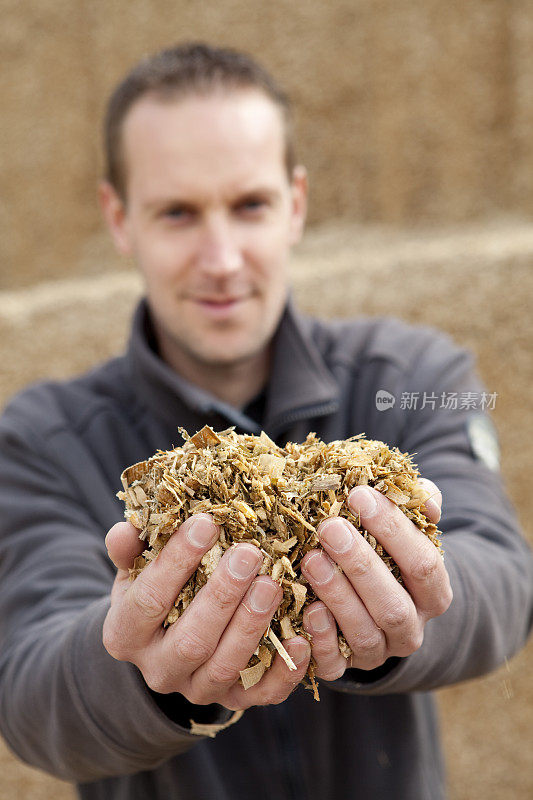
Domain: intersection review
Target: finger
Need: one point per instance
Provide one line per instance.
(238, 642)
(386, 601)
(192, 640)
(335, 590)
(135, 621)
(278, 681)
(123, 545)
(319, 622)
(433, 505)
(420, 562)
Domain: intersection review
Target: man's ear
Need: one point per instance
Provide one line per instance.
(299, 203)
(114, 213)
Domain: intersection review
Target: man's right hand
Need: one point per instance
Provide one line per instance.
(201, 654)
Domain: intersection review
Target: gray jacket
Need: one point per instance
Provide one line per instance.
(68, 708)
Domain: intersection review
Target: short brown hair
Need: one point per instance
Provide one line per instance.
(191, 68)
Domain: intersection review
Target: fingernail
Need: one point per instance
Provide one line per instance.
(301, 655)
(319, 567)
(262, 594)
(362, 501)
(202, 531)
(318, 620)
(243, 560)
(337, 534)
(433, 508)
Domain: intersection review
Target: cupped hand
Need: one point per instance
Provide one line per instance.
(202, 653)
(378, 616)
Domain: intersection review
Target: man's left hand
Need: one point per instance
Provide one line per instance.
(378, 616)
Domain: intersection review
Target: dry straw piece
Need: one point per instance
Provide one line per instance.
(271, 497)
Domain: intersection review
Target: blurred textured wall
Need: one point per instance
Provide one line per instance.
(407, 110)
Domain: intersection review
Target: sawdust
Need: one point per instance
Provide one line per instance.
(273, 498)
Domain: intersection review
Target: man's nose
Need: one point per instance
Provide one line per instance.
(219, 250)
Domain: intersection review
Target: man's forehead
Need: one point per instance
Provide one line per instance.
(221, 136)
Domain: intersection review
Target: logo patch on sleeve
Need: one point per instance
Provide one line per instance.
(483, 440)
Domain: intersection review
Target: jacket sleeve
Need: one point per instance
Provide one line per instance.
(488, 560)
(66, 706)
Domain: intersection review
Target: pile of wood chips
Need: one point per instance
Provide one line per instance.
(269, 496)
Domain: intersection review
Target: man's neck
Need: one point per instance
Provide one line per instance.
(236, 384)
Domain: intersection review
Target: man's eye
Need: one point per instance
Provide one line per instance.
(253, 204)
(177, 212)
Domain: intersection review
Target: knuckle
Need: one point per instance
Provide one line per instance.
(236, 698)
(179, 558)
(362, 563)
(330, 596)
(338, 599)
(280, 698)
(179, 555)
(443, 601)
(191, 651)
(368, 662)
(425, 566)
(321, 648)
(448, 596)
(234, 706)
(196, 697)
(148, 599)
(368, 646)
(222, 595)
(417, 640)
(332, 674)
(220, 674)
(389, 525)
(158, 682)
(284, 686)
(395, 615)
(112, 641)
(280, 695)
(111, 645)
(411, 645)
(249, 626)
(108, 633)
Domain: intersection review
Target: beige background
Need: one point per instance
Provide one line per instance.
(407, 110)
(415, 121)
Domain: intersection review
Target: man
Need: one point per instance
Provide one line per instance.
(203, 191)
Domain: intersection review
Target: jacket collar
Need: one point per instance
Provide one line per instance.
(300, 384)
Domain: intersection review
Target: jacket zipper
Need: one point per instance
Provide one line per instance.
(294, 416)
(289, 754)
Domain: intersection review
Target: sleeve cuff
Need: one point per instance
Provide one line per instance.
(124, 728)
(205, 720)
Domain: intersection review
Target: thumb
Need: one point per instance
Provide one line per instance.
(433, 503)
(123, 545)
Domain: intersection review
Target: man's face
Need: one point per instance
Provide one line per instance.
(210, 218)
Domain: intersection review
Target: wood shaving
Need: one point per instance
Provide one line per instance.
(252, 675)
(211, 729)
(272, 497)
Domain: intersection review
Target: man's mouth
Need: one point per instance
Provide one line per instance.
(219, 306)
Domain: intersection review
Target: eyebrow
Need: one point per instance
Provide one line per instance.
(265, 192)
